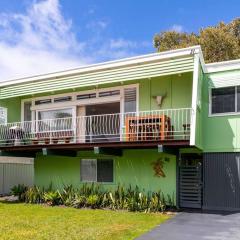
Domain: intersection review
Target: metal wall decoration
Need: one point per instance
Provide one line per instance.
(158, 167)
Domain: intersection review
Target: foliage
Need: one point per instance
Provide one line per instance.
(34, 222)
(19, 191)
(219, 43)
(34, 195)
(52, 198)
(94, 196)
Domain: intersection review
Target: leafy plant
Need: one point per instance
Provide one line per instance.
(79, 201)
(52, 198)
(92, 201)
(34, 195)
(94, 196)
(19, 191)
(67, 195)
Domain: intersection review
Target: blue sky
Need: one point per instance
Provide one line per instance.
(51, 35)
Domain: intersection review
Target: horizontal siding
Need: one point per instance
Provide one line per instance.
(155, 69)
(224, 80)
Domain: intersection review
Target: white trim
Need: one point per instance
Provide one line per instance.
(210, 114)
(22, 107)
(223, 66)
(110, 65)
(18, 160)
(74, 103)
(194, 99)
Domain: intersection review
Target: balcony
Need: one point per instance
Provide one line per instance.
(169, 125)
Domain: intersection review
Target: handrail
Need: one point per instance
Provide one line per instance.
(164, 124)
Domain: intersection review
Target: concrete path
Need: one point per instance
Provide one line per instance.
(197, 226)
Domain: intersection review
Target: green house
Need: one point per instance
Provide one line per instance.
(164, 121)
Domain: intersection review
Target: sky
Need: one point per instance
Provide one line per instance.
(41, 36)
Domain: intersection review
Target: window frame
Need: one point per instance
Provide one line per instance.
(75, 103)
(99, 159)
(210, 114)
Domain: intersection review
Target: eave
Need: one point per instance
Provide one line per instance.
(136, 68)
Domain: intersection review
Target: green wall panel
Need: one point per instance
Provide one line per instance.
(13, 106)
(178, 90)
(220, 133)
(134, 167)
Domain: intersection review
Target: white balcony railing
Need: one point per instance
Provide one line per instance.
(159, 125)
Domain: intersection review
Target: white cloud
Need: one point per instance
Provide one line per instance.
(97, 25)
(42, 40)
(177, 28)
(39, 41)
(121, 48)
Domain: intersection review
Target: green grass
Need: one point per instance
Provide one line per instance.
(25, 221)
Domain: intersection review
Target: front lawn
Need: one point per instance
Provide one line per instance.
(25, 221)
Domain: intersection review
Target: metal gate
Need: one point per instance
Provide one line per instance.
(190, 184)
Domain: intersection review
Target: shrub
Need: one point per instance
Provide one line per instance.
(19, 191)
(52, 198)
(92, 201)
(34, 195)
(78, 201)
(94, 196)
(67, 196)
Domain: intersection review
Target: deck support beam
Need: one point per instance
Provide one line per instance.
(168, 149)
(59, 152)
(108, 151)
(27, 154)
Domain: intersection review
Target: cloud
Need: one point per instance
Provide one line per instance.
(97, 25)
(38, 41)
(177, 28)
(42, 40)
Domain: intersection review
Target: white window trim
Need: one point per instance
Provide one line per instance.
(74, 103)
(210, 114)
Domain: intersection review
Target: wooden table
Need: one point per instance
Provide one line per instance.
(152, 127)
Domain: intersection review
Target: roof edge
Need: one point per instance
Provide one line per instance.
(222, 66)
(110, 64)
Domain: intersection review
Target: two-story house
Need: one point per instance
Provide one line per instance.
(165, 121)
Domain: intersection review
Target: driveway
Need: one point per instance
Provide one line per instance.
(197, 226)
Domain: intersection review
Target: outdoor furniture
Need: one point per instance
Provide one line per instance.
(153, 127)
(54, 136)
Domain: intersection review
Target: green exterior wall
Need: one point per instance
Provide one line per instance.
(134, 167)
(220, 133)
(177, 87)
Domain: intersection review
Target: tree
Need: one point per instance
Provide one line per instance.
(219, 43)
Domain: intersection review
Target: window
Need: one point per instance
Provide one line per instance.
(62, 120)
(43, 101)
(225, 100)
(109, 93)
(54, 114)
(96, 170)
(63, 99)
(3, 115)
(27, 113)
(130, 101)
(86, 96)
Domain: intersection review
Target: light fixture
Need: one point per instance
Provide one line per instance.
(159, 99)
